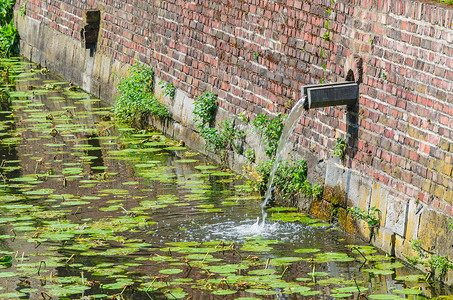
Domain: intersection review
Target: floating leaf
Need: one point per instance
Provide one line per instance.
(170, 271)
(387, 266)
(350, 289)
(411, 278)
(307, 250)
(384, 297)
(380, 272)
(408, 291)
(7, 259)
(224, 292)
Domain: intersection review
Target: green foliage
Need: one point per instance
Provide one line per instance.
(446, 1)
(317, 191)
(136, 98)
(340, 148)
(371, 215)
(226, 138)
(290, 179)
(9, 38)
(437, 264)
(205, 108)
(450, 224)
(168, 89)
(440, 264)
(271, 129)
(250, 155)
(23, 9)
(6, 11)
(263, 168)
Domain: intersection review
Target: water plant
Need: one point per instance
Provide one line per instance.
(271, 129)
(136, 99)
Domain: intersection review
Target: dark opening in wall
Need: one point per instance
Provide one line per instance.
(350, 76)
(90, 30)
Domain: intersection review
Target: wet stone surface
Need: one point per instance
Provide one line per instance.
(90, 209)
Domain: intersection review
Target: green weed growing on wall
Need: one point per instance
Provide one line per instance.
(438, 265)
(340, 148)
(271, 129)
(136, 99)
(9, 38)
(205, 109)
(218, 141)
(371, 215)
(168, 89)
(224, 139)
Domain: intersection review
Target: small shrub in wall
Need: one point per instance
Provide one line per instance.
(136, 99)
(9, 37)
(205, 108)
(271, 129)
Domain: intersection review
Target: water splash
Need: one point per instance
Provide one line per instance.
(290, 123)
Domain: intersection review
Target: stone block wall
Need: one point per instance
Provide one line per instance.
(256, 55)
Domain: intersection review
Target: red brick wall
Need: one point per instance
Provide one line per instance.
(257, 54)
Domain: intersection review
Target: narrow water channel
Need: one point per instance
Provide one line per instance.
(90, 209)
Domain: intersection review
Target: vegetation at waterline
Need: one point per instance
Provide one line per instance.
(290, 179)
(136, 99)
(437, 265)
(205, 109)
(371, 215)
(228, 136)
(9, 38)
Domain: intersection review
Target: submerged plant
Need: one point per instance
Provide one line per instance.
(136, 99)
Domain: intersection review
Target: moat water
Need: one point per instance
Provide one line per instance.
(92, 209)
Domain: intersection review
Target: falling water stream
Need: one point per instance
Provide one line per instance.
(92, 209)
(290, 123)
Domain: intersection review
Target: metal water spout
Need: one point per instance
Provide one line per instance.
(330, 94)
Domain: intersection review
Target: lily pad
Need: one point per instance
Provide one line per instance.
(170, 271)
(408, 291)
